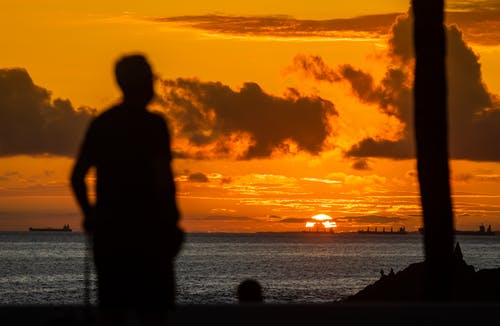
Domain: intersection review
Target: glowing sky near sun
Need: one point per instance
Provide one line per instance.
(278, 109)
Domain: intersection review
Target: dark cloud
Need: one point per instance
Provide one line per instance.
(401, 40)
(295, 220)
(198, 177)
(474, 6)
(313, 66)
(374, 219)
(246, 123)
(226, 180)
(8, 175)
(392, 94)
(480, 24)
(32, 124)
(362, 83)
(284, 26)
(463, 177)
(479, 19)
(360, 164)
(32, 185)
(468, 177)
(474, 113)
(369, 147)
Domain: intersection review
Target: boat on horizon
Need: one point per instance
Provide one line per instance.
(65, 228)
(401, 230)
(482, 231)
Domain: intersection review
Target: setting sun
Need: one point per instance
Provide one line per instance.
(321, 222)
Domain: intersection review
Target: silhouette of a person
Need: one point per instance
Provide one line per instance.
(250, 291)
(134, 221)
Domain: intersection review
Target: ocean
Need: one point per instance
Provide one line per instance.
(47, 268)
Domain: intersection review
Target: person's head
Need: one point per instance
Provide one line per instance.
(250, 291)
(135, 78)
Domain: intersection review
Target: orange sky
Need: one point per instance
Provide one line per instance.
(305, 109)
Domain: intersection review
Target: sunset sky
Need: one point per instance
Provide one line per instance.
(278, 110)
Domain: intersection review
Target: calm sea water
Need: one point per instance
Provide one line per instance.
(47, 268)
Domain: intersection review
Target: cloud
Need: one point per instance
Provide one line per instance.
(480, 20)
(360, 164)
(468, 177)
(474, 6)
(274, 218)
(294, 220)
(313, 66)
(285, 26)
(226, 180)
(474, 113)
(214, 120)
(374, 219)
(370, 147)
(8, 175)
(32, 124)
(198, 177)
(392, 94)
(32, 186)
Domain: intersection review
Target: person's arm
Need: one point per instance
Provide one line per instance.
(167, 191)
(78, 185)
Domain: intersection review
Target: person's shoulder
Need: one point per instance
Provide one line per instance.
(157, 117)
(101, 121)
(111, 111)
(105, 115)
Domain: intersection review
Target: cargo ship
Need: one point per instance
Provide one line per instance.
(65, 228)
(401, 230)
(482, 231)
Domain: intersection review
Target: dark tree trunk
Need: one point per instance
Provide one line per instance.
(432, 144)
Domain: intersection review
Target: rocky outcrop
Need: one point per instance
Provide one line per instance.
(407, 285)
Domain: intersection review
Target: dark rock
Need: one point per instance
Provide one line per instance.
(407, 285)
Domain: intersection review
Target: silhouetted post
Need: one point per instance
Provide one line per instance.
(432, 144)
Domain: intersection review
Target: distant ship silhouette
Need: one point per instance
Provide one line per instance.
(401, 230)
(481, 231)
(65, 228)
